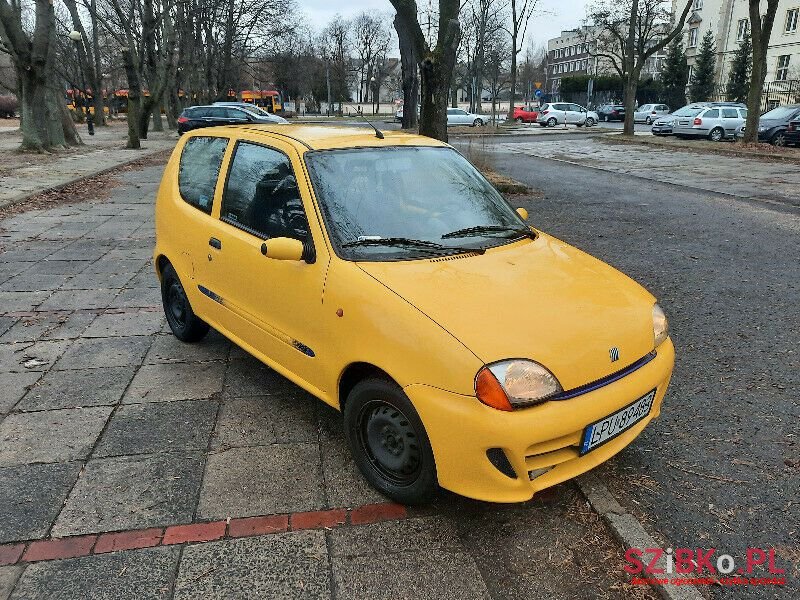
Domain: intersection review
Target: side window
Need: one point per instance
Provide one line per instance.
(217, 112)
(232, 113)
(743, 112)
(730, 113)
(199, 167)
(712, 114)
(261, 195)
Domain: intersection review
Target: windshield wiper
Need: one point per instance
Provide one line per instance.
(490, 229)
(412, 243)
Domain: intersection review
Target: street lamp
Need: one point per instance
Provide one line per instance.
(374, 85)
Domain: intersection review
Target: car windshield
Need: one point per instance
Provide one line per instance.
(400, 202)
(782, 113)
(687, 111)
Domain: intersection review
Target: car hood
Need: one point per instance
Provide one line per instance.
(770, 123)
(666, 119)
(542, 300)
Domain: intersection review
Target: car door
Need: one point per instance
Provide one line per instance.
(730, 120)
(578, 113)
(272, 306)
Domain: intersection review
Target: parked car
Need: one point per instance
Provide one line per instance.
(663, 125)
(457, 116)
(773, 124)
(647, 113)
(717, 121)
(793, 133)
(254, 109)
(196, 117)
(611, 112)
(333, 276)
(557, 113)
(525, 114)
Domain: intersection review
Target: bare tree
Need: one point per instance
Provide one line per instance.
(436, 62)
(482, 19)
(760, 33)
(408, 63)
(371, 39)
(87, 49)
(521, 12)
(336, 44)
(46, 124)
(628, 34)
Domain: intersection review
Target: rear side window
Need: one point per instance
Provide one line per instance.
(730, 113)
(743, 112)
(712, 114)
(199, 168)
(261, 195)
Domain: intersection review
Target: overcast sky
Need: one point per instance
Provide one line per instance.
(553, 16)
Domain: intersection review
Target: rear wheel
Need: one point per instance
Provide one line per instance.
(389, 443)
(779, 139)
(519, 120)
(552, 122)
(716, 134)
(185, 325)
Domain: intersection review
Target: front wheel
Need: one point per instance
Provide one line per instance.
(589, 122)
(519, 120)
(779, 139)
(552, 122)
(477, 123)
(389, 443)
(648, 120)
(185, 325)
(716, 134)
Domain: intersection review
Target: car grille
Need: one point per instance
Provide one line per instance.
(546, 455)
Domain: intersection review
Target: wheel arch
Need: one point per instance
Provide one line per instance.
(161, 263)
(353, 374)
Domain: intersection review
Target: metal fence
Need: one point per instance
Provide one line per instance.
(776, 93)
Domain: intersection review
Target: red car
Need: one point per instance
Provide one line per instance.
(525, 115)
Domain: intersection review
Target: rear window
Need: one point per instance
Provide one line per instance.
(687, 111)
(199, 167)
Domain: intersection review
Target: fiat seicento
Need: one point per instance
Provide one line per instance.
(384, 275)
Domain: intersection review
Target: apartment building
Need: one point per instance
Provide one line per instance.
(729, 21)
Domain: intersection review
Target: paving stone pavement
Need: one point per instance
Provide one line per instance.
(135, 466)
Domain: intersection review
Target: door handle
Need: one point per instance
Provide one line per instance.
(215, 243)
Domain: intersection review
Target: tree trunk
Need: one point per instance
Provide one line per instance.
(158, 124)
(408, 63)
(631, 85)
(33, 109)
(513, 77)
(760, 32)
(134, 99)
(435, 88)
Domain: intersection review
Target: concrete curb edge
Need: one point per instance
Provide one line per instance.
(89, 175)
(629, 531)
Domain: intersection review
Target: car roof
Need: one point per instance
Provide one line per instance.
(325, 137)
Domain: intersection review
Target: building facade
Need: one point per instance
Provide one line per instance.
(729, 20)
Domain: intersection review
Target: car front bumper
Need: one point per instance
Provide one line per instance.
(461, 429)
(661, 129)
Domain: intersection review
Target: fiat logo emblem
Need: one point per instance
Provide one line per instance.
(613, 353)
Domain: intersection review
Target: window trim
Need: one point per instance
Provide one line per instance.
(789, 11)
(216, 178)
(247, 229)
(693, 32)
(785, 68)
(742, 29)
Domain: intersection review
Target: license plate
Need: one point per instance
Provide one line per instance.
(610, 427)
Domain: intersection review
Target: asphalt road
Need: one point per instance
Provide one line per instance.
(721, 467)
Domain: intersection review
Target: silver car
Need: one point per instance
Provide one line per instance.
(714, 122)
(457, 116)
(647, 113)
(252, 109)
(558, 113)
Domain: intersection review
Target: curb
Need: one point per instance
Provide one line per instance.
(628, 530)
(74, 180)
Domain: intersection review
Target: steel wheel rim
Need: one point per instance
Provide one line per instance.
(716, 135)
(780, 140)
(389, 441)
(177, 304)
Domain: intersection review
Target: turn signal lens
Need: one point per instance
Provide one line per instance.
(490, 392)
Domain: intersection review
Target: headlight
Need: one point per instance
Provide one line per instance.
(511, 384)
(660, 325)
(762, 128)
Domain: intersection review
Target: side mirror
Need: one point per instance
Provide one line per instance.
(522, 213)
(283, 248)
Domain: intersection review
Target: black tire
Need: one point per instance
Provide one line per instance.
(779, 139)
(477, 123)
(185, 325)
(389, 443)
(648, 121)
(552, 122)
(589, 122)
(717, 134)
(519, 120)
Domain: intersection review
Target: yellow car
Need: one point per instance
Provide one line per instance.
(384, 275)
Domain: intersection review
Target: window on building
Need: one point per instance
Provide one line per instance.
(742, 29)
(691, 72)
(782, 72)
(697, 5)
(791, 20)
(693, 37)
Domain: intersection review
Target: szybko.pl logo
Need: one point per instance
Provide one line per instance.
(699, 566)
